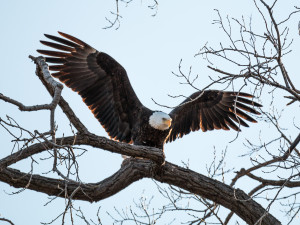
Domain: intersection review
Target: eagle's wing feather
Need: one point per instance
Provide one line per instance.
(99, 79)
(209, 110)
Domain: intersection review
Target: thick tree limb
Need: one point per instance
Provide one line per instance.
(154, 154)
(136, 169)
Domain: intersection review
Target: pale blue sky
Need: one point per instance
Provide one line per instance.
(149, 48)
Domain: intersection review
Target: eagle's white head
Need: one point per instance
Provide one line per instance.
(160, 120)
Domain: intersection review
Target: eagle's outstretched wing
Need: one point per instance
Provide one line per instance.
(99, 79)
(209, 110)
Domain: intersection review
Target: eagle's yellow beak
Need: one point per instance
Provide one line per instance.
(168, 122)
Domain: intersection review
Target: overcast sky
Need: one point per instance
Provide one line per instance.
(149, 48)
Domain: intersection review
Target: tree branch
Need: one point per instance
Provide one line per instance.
(136, 169)
(43, 74)
(87, 139)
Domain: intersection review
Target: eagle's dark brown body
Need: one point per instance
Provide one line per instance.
(144, 134)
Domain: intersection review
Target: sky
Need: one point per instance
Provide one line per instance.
(150, 49)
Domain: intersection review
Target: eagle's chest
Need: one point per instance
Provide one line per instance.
(149, 136)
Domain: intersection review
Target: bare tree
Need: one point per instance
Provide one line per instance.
(257, 60)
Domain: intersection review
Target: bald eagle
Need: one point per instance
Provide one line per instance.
(105, 88)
